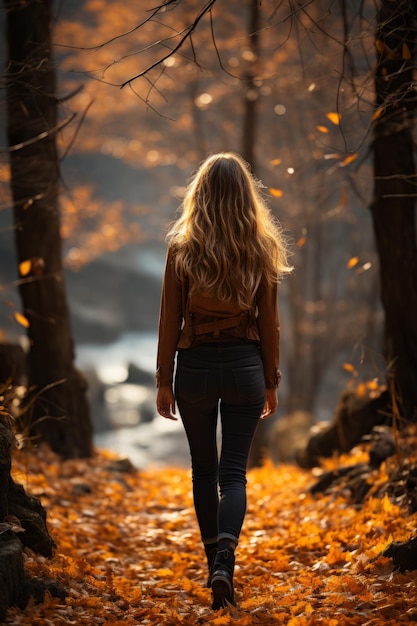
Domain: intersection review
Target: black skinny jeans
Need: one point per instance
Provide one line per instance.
(229, 377)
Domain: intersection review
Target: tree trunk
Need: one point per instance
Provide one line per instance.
(251, 89)
(22, 523)
(59, 412)
(393, 206)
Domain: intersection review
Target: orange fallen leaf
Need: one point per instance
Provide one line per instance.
(129, 549)
(21, 319)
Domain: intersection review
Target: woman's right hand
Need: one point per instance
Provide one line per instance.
(271, 403)
(165, 403)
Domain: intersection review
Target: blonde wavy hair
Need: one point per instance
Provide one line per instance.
(226, 240)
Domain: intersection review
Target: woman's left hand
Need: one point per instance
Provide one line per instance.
(165, 403)
(271, 403)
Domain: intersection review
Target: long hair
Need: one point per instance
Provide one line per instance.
(226, 240)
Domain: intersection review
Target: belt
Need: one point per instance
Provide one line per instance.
(217, 325)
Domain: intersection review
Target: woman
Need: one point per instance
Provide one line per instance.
(219, 313)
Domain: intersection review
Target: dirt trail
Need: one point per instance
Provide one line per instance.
(129, 550)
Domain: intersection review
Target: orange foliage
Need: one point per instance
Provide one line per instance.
(110, 230)
(129, 550)
(349, 159)
(21, 319)
(352, 262)
(334, 118)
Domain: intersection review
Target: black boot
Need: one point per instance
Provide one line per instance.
(211, 551)
(222, 578)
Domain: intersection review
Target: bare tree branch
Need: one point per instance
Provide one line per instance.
(187, 33)
(154, 12)
(43, 135)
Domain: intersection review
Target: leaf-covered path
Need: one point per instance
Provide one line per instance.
(129, 551)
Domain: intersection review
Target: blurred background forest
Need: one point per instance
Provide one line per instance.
(282, 83)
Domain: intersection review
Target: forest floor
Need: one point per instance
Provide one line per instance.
(128, 549)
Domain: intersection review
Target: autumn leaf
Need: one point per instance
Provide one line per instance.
(334, 118)
(349, 159)
(406, 53)
(276, 162)
(276, 193)
(348, 367)
(301, 241)
(21, 319)
(385, 50)
(322, 129)
(129, 549)
(379, 46)
(335, 555)
(25, 267)
(361, 390)
(377, 113)
(220, 621)
(353, 261)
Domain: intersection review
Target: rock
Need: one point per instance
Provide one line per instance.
(403, 554)
(12, 576)
(32, 516)
(354, 418)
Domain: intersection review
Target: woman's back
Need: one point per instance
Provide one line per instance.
(226, 240)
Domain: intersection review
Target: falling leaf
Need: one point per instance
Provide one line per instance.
(21, 319)
(25, 267)
(349, 159)
(348, 367)
(301, 241)
(334, 118)
(352, 262)
(406, 53)
(276, 162)
(276, 193)
(385, 50)
(379, 46)
(377, 113)
(322, 129)
(361, 390)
